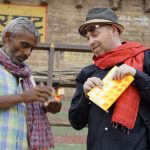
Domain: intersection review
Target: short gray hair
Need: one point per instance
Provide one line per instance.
(16, 26)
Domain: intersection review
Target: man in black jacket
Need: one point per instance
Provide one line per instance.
(126, 125)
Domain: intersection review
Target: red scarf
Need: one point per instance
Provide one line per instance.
(126, 107)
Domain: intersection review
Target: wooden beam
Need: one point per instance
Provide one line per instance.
(64, 47)
(50, 64)
(55, 82)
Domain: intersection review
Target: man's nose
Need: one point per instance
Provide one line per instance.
(28, 51)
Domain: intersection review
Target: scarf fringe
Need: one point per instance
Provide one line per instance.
(124, 129)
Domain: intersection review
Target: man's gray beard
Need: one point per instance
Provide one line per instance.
(16, 62)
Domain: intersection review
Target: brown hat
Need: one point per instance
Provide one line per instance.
(101, 16)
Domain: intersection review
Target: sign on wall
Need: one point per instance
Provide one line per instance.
(38, 14)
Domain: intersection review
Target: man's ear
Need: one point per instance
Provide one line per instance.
(7, 37)
(114, 28)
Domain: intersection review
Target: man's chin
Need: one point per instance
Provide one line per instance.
(18, 63)
(99, 54)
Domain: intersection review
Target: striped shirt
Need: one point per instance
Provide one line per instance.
(13, 129)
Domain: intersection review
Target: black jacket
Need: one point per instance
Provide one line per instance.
(101, 133)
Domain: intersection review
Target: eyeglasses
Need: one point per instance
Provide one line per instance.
(91, 28)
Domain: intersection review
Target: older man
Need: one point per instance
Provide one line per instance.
(126, 126)
(23, 123)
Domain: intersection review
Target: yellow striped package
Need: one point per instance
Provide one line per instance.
(104, 97)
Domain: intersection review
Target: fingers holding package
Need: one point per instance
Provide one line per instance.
(122, 71)
(91, 83)
(38, 93)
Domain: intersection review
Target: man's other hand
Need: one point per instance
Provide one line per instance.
(53, 106)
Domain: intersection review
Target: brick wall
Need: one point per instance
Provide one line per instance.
(64, 19)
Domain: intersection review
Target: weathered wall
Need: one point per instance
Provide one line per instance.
(64, 19)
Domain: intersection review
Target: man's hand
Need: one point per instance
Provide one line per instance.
(53, 105)
(38, 93)
(122, 71)
(91, 83)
